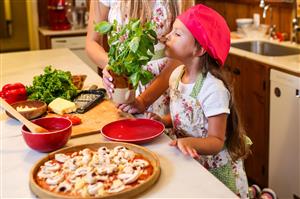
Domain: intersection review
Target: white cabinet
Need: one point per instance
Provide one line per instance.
(284, 142)
(77, 45)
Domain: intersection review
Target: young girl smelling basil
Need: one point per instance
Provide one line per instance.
(205, 122)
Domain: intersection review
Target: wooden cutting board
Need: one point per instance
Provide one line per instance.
(93, 120)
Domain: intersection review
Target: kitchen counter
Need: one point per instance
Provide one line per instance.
(181, 176)
(290, 63)
(47, 32)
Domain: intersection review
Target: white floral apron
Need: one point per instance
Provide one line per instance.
(189, 121)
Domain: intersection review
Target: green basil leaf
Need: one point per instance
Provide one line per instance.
(103, 27)
(134, 44)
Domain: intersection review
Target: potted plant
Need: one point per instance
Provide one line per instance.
(130, 48)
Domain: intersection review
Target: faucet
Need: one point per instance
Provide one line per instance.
(262, 3)
(272, 30)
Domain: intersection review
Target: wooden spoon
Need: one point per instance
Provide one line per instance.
(31, 126)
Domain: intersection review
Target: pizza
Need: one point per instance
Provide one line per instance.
(94, 173)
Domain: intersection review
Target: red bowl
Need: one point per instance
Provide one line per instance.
(136, 131)
(60, 130)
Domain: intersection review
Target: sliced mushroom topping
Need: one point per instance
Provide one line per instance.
(129, 155)
(70, 164)
(103, 150)
(94, 188)
(61, 157)
(54, 180)
(128, 169)
(50, 166)
(85, 152)
(119, 148)
(104, 160)
(45, 174)
(117, 186)
(82, 171)
(86, 159)
(78, 161)
(140, 163)
(128, 178)
(120, 160)
(107, 169)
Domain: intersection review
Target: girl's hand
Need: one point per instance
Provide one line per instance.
(107, 82)
(185, 145)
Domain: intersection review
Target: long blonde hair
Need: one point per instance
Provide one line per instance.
(142, 9)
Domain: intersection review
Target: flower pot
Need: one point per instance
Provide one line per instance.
(123, 92)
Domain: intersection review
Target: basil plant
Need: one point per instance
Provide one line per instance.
(131, 46)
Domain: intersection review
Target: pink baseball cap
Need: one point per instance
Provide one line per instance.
(210, 29)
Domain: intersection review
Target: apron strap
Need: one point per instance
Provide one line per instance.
(198, 84)
(179, 78)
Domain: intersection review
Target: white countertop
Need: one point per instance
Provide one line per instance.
(181, 176)
(47, 32)
(288, 63)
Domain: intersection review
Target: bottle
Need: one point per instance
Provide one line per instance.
(256, 20)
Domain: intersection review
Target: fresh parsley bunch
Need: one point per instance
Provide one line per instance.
(52, 84)
(131, 47)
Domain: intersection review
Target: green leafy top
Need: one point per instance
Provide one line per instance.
(52, 84)
(131, 47)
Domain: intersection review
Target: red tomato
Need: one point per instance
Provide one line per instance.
(74, 119)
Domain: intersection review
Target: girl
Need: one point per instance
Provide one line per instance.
(205, 122)
(163, 14)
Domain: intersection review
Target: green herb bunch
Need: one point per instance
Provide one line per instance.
(52, 84)
(131, 47)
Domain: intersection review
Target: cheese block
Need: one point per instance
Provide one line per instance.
(62, 106)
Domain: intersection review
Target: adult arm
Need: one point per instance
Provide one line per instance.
(94, 42)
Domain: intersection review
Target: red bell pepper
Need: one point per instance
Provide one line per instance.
(13, 92)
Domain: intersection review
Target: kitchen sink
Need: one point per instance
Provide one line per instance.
(266, 48)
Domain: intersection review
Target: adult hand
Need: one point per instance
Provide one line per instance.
(153, 116)
(185, 145)
(129, 108)
(138, 106)
(108, 82)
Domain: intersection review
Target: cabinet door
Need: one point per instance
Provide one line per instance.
(255, 113)
(250, 83)
(234, 73)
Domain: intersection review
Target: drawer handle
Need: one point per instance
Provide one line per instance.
(61, 41)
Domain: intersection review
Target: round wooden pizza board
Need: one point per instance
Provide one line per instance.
(127, 193)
